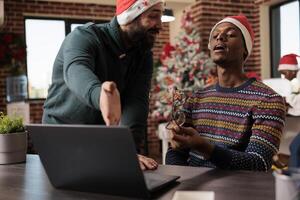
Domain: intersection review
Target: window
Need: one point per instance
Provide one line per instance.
(285, 32)
(43, 40)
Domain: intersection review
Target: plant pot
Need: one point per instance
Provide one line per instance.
(13, 147)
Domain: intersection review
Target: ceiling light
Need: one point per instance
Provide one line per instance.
(168, 15)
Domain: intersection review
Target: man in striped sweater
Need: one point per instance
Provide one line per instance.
(237, 123)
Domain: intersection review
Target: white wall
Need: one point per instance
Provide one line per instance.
(178, 9)
(1, 12)
(265, 48)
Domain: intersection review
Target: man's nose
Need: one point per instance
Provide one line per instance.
(221, 37)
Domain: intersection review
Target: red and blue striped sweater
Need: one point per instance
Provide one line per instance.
(245, 124)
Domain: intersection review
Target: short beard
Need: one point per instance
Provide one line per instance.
(138, 35)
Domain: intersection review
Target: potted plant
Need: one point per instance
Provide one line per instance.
(13, 140)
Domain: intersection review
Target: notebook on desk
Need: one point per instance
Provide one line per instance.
(94, 159)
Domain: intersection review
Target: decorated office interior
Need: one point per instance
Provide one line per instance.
(204, 91)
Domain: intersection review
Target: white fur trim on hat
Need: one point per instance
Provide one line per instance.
(244, 30)
(288, 67)
(135, 10)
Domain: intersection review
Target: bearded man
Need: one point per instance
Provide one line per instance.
(102, 72)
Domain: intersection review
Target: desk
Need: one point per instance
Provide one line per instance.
(29, 182)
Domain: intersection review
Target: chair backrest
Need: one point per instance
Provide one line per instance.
(279, 85)
(294, 161)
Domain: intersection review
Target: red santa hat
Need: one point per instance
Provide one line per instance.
(243, 24)
(128, 10)
(288, 62)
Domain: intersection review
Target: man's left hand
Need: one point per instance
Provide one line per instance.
(147, 163)
(185, 137)
(188, 137)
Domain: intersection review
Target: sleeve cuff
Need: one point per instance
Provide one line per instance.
(221, 157)
(95, 97)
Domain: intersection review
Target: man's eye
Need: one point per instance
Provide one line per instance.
(231, 34)
(154, 16)
(215, 36)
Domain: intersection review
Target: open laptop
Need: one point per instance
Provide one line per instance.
(94, 158)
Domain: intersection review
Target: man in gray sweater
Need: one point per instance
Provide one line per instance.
(102, 72)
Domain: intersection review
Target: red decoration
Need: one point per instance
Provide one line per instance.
(145, 3)
(12, 52)
(168, 48)
(253, 75)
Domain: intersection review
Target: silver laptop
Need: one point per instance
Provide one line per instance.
(94, 158)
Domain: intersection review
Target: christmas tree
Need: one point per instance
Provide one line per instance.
(183, 66)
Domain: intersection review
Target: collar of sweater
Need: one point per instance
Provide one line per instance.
(114, 31)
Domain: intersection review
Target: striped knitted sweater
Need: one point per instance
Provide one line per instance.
(245, 124)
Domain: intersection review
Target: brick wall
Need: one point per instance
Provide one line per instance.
(15, 10)
(206, 13)
(259, 2)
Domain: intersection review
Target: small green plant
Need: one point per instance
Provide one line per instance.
(10, 124)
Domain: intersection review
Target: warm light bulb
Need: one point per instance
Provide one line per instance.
(166, 18)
